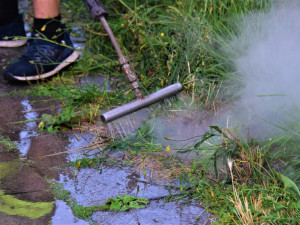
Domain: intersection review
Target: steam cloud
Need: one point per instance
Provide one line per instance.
(267, 59)
(269, 63)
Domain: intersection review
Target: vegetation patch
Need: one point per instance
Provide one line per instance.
(10, 205)
(126, 202)
(88, 162)
(11, 146)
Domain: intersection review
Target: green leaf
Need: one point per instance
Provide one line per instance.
(143, 201)
(298, 205)
(50, 129)
(204, 137)
(116, 205)
(109, 201)
(133, 204)
(216, 128)
(279, 207)
(126, 199)
(49, 119)
(124, 208)
(125, 202)
(288, 183)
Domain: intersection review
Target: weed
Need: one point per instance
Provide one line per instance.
(126, 202)
(259, 194)
(83, 212)
(88, 162)
(120, 203)
(59, 192)
(11, 146)
(78, 105)
(136, 143)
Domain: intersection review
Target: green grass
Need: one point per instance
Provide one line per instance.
(88, 162)
(11, 146)
(243, 187)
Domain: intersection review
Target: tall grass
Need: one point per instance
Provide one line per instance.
(168, 41)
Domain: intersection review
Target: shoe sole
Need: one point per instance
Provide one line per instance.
(13, 43)
(72, 58)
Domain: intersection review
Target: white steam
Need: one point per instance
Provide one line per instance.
(269, 63)
(267, 59)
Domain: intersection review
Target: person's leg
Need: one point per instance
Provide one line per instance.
(11, 24)
(47, 19)
(45, 9)
(49, 49)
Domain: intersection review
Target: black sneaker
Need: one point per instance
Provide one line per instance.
(41, 59)
(13, 34)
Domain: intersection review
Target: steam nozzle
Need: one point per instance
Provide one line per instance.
(141, 103)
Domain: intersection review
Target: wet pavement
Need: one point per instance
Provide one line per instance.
(25, 174)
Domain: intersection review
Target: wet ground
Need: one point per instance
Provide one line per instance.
(25, 174)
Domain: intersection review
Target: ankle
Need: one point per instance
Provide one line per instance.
(51, 28)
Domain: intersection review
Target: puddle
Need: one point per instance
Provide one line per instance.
(77, 141)
(77, 38)
(94, 186)
(26, 135)
(63, 215)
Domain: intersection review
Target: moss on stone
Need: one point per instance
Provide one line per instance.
(12, 206)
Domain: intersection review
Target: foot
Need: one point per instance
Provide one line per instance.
(13, 34)
(42, 59)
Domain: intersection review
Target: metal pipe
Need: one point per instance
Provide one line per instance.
(130, 76)
(111, 36)
(141, 103)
